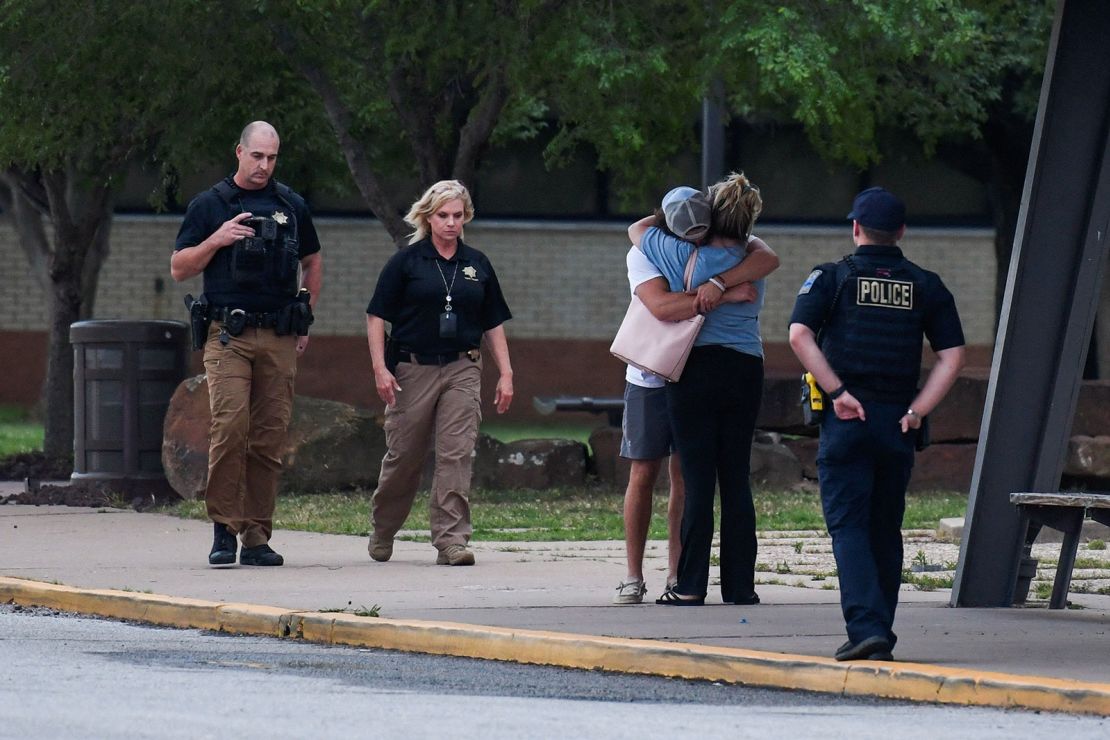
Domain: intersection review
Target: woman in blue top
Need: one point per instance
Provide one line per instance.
(713, 407)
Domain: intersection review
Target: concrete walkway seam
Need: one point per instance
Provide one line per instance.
(905, 681)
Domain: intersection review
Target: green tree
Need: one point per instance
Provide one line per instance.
(87, 90)
(417, 92)
(962, 76)
(413, 92)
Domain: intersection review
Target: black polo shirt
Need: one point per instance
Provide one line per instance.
(208, 211)
(412, 291)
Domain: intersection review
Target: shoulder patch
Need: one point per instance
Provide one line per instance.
(809, 282)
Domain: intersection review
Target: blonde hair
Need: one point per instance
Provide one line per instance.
(431, 201)
(736, 206)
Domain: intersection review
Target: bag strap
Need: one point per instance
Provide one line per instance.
(688, 276)
(847, 260)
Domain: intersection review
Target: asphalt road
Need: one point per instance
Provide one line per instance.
(67, 676)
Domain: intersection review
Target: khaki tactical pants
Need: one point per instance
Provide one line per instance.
(250, 384)
(445, 400)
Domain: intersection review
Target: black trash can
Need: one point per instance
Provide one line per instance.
(124, 373)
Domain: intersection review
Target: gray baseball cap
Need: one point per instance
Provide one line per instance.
(687, 212)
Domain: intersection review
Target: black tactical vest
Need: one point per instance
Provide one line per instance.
(874, 336)
(258, 266)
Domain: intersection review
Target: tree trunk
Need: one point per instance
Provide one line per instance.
(68, 267)
(80, 249)
(28, 228)
(1009, 155)
(998, 160)
(65, 308)
(383, 204)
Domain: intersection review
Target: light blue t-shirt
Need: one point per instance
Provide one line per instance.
(733, 325)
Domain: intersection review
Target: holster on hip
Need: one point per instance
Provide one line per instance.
(199, 319)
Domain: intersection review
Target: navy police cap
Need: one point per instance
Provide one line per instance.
(878, 208)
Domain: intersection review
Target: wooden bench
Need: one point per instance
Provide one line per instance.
(1064, 512)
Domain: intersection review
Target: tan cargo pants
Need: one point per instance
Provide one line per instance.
(445, 400)
(250, 385)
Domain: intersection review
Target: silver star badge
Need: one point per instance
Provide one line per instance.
(281, 218)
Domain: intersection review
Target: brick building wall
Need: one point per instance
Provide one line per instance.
(565, 283)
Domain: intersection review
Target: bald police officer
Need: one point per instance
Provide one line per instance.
(857, 326)
(248, 235)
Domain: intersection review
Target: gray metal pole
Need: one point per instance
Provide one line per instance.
(1050, 303)
(713, 135)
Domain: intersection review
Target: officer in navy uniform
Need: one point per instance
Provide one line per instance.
(248, 235)
(857, 326)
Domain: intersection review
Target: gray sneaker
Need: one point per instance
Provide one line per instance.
(380, 550)
(630, 592)
(455, 555)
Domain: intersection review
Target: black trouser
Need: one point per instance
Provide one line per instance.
(864, 468)
(713, 410)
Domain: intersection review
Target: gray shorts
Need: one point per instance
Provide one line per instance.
(646, 427)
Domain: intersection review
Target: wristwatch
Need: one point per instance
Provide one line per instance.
(911, 412)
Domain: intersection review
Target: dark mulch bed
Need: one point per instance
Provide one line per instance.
(95, 495)
(34, 465)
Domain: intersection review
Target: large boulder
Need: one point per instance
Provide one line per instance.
(530, 463)
(944, 467)
(329, 444)
(185, 438)
(1092, 412)
(805, 450)
(612, 469)
(780, 409)
(959, 416)
(1088, 457)
(940, 467)
(773, 464)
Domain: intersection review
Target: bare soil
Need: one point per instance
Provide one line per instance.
(34, 465)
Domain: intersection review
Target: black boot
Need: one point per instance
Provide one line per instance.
(224, 546)
(260, 555)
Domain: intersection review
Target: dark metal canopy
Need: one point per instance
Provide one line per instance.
(1050, 303)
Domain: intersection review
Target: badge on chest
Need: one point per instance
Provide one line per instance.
(884, 293)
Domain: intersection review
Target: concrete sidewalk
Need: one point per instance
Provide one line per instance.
(518, 594)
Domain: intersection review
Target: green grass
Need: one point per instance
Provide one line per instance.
(1096, 563)
(553, 429)
(18, 433)
(576, 514)
(923, 582)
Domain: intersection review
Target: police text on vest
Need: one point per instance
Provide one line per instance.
(884, 293)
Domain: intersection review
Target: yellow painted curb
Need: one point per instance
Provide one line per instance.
(907, 681)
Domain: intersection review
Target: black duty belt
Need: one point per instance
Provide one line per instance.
(445, 358)
(260, 320)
